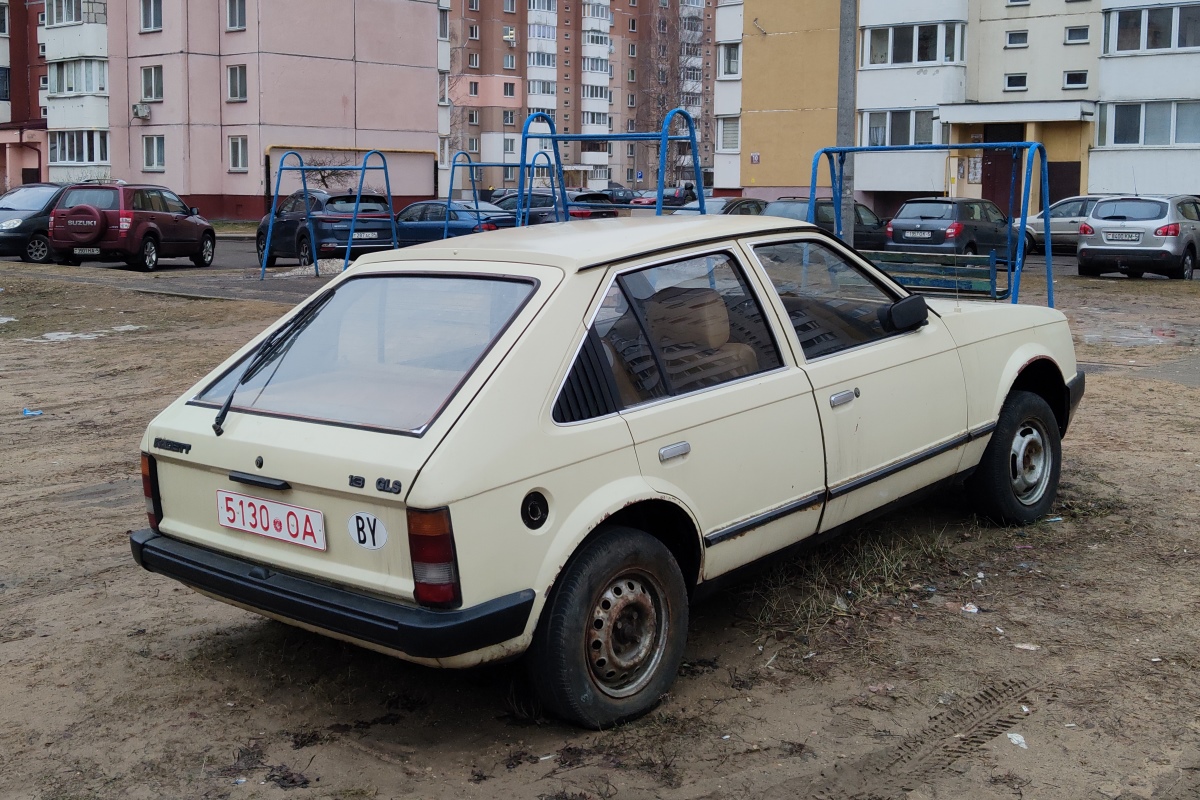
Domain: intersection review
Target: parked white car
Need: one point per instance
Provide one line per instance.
(552, 439)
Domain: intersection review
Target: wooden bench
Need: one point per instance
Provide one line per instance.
(946, 274)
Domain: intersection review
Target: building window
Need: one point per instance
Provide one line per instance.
(510, 173)
(510, 89)
(235, 15)
(472, 5)
(899, 127)
(543, 60)
(77, 147)
(443, 88)
(543, 5)
(1077, 35)
(473, 88)
(510, 61)
(537, 31)
(472, 144)
(4, 83)
(44, 82)
(510, 6)
(42, 21)
(1155, 123)
(154, 153)
(510, 144)
(729, 138)
(239, 154)
(151, 15)
(42, 49)
(632, 50)
(1152, 29)
(633, 76)
(443, 24)
(472, 116)
(912, 44)
(78, 76)
(633, 24)
(152, 83)
(1076, 79)
(473, 32)
(730, 62)
(543, 87)
(237, 83)
(473, 60)
(4, 20)
(63, 12)
(1016, 39)
(1016, 82)
(43, 112)
(510, 118)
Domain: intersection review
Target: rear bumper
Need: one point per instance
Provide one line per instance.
(416, 632)
(1116, 257)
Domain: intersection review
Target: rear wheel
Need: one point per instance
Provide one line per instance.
(613, 631)
(304, 251)
(969, 250)
(1017, 478)
(1136, 273)
(261, 244)
(37, 249)
(208, 248)
(1187, 266)
(147, 257)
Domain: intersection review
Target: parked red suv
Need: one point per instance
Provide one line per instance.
(135, 223)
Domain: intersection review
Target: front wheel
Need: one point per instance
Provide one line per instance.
(1017, 478)
(37, 250)
(261, 246)
(612, 633)
(208, 248)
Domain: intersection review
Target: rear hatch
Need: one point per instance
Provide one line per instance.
(922, 222)
(85, 217)
(328, 434)
(373, 225)
(1130, 222)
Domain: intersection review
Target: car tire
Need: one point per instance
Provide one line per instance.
(147, 257)
(1136, 273)
(1187, 266)
(1030, 244)
(1017, 478)
(208, 248)
(304, 252)
(621, 602)
(261, 245)
(969, 250)
(37, 250)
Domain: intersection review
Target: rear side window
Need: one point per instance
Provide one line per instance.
(1134, 210)
(926, 211)
(104, 199)
(666, 331)
(384, 352)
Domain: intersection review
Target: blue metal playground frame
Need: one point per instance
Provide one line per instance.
(463, 159)
(362, 170)
(836, 156)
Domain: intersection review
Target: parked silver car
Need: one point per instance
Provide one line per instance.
(1065, 218)
(1136, 235)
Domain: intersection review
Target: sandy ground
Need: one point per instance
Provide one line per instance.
(851, 672)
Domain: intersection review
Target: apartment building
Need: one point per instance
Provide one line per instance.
(22, 93)
(727, 98)
(595, 67)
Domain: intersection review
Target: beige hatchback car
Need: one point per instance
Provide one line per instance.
(551, 440)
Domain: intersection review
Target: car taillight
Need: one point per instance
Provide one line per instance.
(125, 221)
(484, 226)
(1168, 230)
(50, 224)
(581, 213)
(889, 229)
(1086, 230)
(434, 566)
(150, 490)
(953, 229)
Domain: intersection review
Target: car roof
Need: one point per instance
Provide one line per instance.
(954, 200)
(580, 244)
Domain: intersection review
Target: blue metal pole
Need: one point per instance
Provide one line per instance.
(1046, 225)
(663, 155)
(312, 230)
(274, 207)
(387, 188)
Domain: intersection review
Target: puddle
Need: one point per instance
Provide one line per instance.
(64, 336)
(127, 328)
(7, 319)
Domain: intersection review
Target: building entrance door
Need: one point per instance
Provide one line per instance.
(998, 165)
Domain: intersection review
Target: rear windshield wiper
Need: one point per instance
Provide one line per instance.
(273, 345)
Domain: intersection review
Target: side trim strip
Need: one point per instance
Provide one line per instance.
(794, 507)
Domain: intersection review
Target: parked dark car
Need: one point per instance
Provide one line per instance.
(620, 195)
(963, 226)
(426, 221)
(542, 205)
(331, 214)
(25, 221)
(870, 230)
(725, 205)
(134, 223)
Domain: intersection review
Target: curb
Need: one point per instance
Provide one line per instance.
(237, 237)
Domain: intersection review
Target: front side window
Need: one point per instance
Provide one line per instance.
(154, 153)
(151, 15)
(832, 305)
(386, 352)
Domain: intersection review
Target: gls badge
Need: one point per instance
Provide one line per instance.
(367, 530)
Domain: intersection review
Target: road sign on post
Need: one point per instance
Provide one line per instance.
(639, 175)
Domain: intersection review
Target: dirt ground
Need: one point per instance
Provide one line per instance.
(851, 671)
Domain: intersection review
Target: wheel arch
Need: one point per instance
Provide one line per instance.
(1042, 376)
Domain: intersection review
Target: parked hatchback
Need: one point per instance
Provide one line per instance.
(25, 221)
(426, 221)
(869, 227)
(1136, 235)
(1065, 218)
(135, 223)
(331, 214)
(751, 206)
(553, 439)
(949, 225)
(542, 205)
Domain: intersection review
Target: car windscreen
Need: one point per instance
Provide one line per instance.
(792, 209)
(1134, 210)
(385, 351)
(104, 199)
(344, 204)
(926, 211)
(27, 198)
(470, 206)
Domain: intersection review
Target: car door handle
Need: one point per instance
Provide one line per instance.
(674, 451)
(260, 481)
(841, 398)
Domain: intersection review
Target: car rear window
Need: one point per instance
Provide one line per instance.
(1130, 209)
(345, 204)
(104, 199)
(385, 351)
(792, 209)
(27, 198)
(926, 211)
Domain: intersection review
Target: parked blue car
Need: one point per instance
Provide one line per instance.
(331, 215)
(425, 221)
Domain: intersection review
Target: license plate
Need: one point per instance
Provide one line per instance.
(294, 524)
(918, 234)
(1123, 237)
(87, 251)
(366, 235)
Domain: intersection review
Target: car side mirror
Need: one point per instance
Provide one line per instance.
(904, 315)
(194, 211)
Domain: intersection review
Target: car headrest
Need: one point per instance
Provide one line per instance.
(690, 318)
